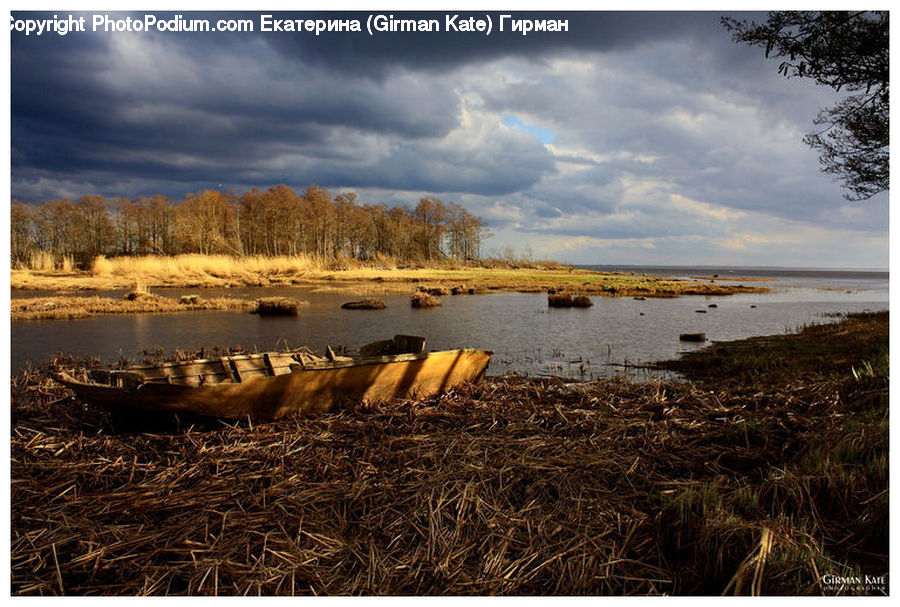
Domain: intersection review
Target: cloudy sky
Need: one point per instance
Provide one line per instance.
(633, 138)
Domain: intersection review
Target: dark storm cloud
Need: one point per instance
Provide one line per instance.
(629, 126)
(372, 56)
(224, 103)
(732, 135)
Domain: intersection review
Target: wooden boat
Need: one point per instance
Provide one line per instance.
(277, 384)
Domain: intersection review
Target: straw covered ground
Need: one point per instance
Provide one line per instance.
(761, 475)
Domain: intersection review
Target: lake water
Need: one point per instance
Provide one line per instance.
(526, 336)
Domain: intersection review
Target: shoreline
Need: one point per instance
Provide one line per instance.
(75, 307)
(73, 286)
(655, 477)
(217, 271)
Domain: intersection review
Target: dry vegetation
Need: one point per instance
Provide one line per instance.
(765, 472)
(384, 275)
(136, 302)
(423, 299)
(567, 300)
(278, 306)
(366, 303)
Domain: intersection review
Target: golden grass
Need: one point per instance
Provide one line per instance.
(423, 299)
(366, 303)
(155, 269)
(756, 477)
(436, 291)
(350, 275)
(43, 261)
(63, 307)
(278, 306)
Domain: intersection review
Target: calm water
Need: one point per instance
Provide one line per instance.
(526, 336)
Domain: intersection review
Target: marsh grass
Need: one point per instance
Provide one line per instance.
(212, 270)
(278, 306)
(746, 479)
(72, 307)
(366, 303)
(823, 506)
(43, 261)
(385, 274)
(813, 351)
(423, 299)
(436, 291)
(568, 300)
(140, 292)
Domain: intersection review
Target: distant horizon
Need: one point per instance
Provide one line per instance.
(735, 267)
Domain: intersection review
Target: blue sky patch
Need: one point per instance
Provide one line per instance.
(546, 136)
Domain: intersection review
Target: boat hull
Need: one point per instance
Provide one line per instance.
(306, 391)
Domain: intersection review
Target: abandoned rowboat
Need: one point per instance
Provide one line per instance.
(277, 384)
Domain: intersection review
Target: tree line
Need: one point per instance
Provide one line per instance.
(275, 221)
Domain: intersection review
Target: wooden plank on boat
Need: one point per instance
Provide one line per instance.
(377, 348)
(229, 369)
(279, 363)
(409, 344)
(370, 360)
(249, 367)
(191, 370)
(125, 379)
(100, 376)
(192, 373)
(400, 344)
(200, 380)
(227, 375)
(269, 368)
(149, 373)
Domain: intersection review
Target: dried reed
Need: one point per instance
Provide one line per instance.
(43, 261)
(278, 306)
(424, 300)
(70, 307)
(567, 300)
(366, 303)
(517, 486)
(346, 274)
